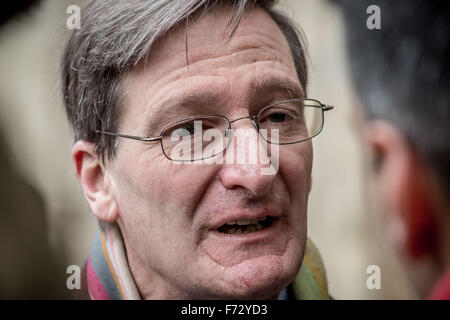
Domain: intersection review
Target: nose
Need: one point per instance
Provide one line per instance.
(248, 177)
(246, 156)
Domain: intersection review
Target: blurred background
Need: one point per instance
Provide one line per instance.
(46, 224)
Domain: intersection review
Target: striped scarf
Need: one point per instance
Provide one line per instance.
(106, 274)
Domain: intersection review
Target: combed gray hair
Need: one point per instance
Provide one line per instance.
(116, 35)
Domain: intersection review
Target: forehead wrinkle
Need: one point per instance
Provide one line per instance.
(248, 50)
(172, 105)
(245, 35)
(189, 89)
(255, 45)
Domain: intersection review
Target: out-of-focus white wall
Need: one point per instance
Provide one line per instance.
(340, 221)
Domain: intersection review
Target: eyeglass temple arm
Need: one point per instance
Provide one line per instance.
(327, 107)
(128, 136)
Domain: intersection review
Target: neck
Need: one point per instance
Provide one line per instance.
(151, 285)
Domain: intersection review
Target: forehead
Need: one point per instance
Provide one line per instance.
(208, 36)
(198, 58)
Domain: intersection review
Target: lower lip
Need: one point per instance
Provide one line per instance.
(256, 235)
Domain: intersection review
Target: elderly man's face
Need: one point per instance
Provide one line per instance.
(170, 212)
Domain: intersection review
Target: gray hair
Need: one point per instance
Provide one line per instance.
(116, 35)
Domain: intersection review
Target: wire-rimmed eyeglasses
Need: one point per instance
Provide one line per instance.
(205, 136)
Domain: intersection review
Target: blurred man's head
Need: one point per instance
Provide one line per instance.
(401, 73)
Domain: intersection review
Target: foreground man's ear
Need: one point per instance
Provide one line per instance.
(94, 181)
(404, 185)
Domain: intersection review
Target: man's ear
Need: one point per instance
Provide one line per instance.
(403, 182)
(94, 181)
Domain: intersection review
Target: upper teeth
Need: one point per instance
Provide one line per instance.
(245, 222)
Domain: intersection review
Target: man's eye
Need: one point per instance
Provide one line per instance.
(189, 128)
(279, 117)
(184, 129)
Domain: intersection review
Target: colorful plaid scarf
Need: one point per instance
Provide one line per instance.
(106, 274)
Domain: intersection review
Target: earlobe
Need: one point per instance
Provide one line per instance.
(94, 180)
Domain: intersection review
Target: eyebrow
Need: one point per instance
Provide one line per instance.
(172, 107)
(293, 87)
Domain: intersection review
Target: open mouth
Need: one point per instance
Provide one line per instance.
(246, 226)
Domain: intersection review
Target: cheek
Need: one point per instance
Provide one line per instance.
(295, 169)
(161, 192)
(181, 186)
(156, 200)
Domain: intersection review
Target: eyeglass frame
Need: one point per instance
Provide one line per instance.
(254, 119)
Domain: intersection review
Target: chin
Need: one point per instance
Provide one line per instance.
(261, 278)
